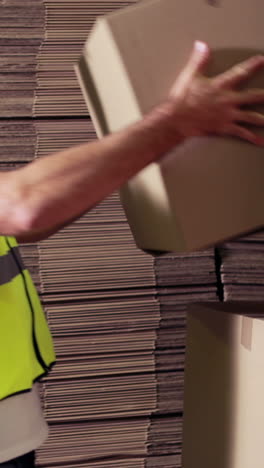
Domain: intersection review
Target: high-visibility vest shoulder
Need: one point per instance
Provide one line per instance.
(26, 349)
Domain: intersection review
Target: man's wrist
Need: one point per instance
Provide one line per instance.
(164, 122)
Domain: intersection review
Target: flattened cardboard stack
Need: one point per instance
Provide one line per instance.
(20, 37)
(101, 437)
(180, 279)
(17, 133)
(67, 23)
(98, 291)
(194, 280)
(223, 403)
(207, 189)
(117, 326)
(242, 268)
(119, 375)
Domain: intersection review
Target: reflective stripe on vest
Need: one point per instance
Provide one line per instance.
(26, 350)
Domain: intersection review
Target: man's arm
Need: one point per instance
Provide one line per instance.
(43, 196)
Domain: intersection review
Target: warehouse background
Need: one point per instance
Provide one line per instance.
(115, 397)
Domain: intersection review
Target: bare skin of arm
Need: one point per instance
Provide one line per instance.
(45, 195)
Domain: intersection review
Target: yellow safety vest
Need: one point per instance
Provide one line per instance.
(26, 349)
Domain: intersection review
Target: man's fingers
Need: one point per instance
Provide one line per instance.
(245, 134)
(240, 72)
(253, 118)
(198, 59)
(253, 96)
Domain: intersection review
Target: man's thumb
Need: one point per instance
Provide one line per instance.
(199, 58)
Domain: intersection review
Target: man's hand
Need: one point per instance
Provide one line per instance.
(203, 106)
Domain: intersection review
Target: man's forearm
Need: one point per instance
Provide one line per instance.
(48, 193)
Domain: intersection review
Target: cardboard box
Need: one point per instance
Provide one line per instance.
(207, 189)
(224, 386)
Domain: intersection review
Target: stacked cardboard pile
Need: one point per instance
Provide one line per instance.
(67, 23)
(242, 268)
(22, 27)
(118, 319)
(14, 134)
(100, 295)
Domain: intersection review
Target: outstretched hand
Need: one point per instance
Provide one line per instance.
(204, 106)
